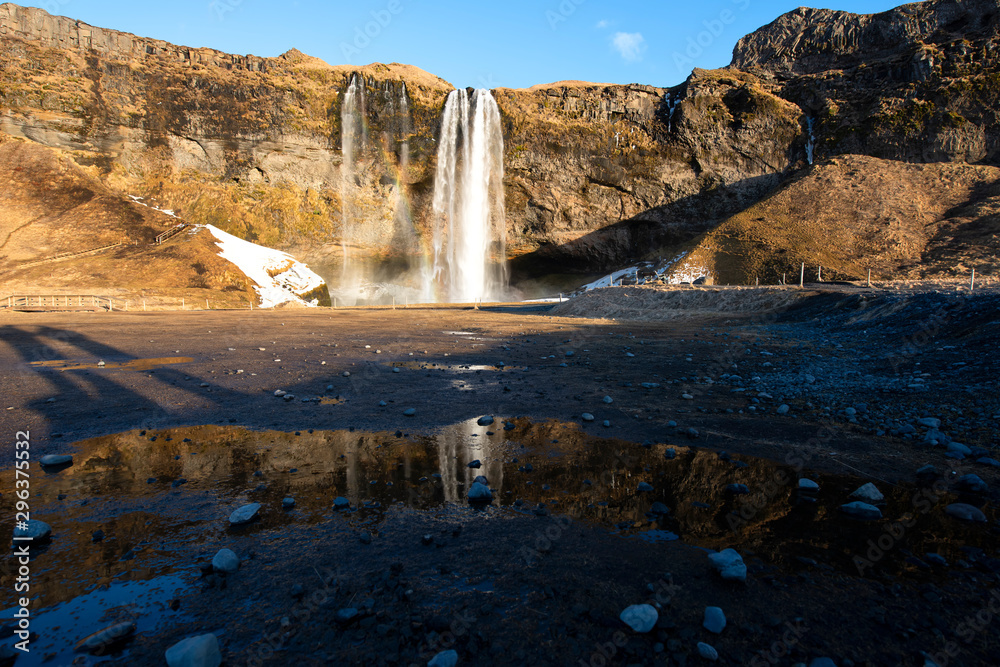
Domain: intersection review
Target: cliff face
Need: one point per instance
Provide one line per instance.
(596, 175)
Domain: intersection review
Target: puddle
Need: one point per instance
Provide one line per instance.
(162, 500)
(145, 603)
(131, 365)
(454, 368)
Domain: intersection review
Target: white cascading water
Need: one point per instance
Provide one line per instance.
(811, 141)
(351, 133)
(469, 242)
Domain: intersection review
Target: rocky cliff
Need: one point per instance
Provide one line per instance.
(596, 175)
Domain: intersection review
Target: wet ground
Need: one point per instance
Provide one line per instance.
(569, 540)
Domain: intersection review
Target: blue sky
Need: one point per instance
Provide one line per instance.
(516, 43)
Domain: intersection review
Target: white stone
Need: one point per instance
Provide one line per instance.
(587, 417)
(56, 459)
(707, 651)
(965, 512)
(860, 510)
(35, 530)
(226, 561)
(715, 620)
(808, 484)
(480, 492)
(244, 514)
(729, 564)
(869, 494)
(444, 659)
(200, 651)
(640, 617)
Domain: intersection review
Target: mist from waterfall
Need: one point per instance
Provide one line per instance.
(468, 246)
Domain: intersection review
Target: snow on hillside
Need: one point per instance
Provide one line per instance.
(280, 277)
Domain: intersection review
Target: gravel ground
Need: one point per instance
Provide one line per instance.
(840, 385)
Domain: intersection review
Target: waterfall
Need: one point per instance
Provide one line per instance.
(671, 107)
(811, 141)
(469, 236)
(352, 140)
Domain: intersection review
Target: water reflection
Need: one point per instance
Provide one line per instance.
(161, 497)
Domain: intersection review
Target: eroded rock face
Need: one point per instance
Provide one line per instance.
(596, 175)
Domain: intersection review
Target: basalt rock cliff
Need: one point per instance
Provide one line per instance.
(595, 175)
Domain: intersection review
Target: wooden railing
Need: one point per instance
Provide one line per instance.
(69, 255)
(170, 233)
(56, 301)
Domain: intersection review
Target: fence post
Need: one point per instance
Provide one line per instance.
(820, 274)
(144, 305)
(802, 276)
(869, 277)
(972, 285)
(182, 304)
(206, 305)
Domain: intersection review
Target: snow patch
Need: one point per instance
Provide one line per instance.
(280, 277)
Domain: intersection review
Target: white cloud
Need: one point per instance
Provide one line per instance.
(603, 23)
(630, 45)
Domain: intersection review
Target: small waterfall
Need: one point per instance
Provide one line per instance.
(811, 141)
(352, 141)
(671, 107)
(469, 238)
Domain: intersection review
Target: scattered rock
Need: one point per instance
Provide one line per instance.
(659, 509)
(808, 485)
(226, 561)
(53, 460)
(715, 620)
(783, 409)
(707, 651)
(35, 531)
(476, 464)
(200, 651)
(102, 640)
(244, 514)
(409, 412)
(587, 417)
(608, 400)
(346, 616)
(640, 617)
(822, 662)
(738, 489)
(860, 510)
(445, 658)
(644, 487)
(729, 564)
(287, 503)
(341, 503)
(869, 494)
(479, 492)
(930, 422)
(965, 512)
(485, 420)
(971, 483)
(687, 397)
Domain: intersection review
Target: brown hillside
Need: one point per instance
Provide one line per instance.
(50, 206)
(855, 213)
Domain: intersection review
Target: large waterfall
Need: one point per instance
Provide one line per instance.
(469, 233)
(453, 251)
(352, 138)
